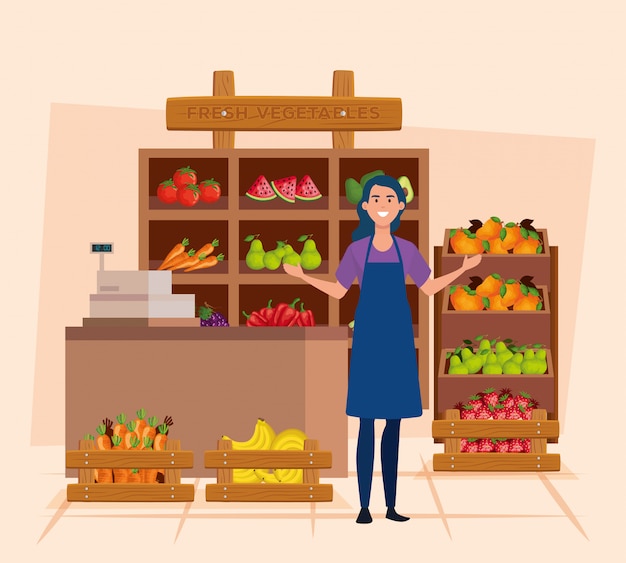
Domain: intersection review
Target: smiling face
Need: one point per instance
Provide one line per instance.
(383, 205)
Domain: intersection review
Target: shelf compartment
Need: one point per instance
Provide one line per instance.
(273, 169)
(163, 235)
(253, 297)
(215, 295)
(163, 168)
(289, 231)
(356, 167)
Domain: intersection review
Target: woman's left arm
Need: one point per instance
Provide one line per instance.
(433, 285)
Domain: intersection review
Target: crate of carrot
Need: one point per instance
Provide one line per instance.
(131, 460)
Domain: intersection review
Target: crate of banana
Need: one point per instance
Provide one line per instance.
(269, 466)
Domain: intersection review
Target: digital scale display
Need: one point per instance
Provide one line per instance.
(101, 247)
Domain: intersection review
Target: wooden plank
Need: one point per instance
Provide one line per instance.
(343, 85)
(539, 445)
(287, 492)
(128, 459)
(283, 113)
(268, 459)
(496, 462)
(225, 474)
(495, 428)
(172, 470)
(452, 445)
(223, 85)
(136, 492)
(86, 474)
(311, 476)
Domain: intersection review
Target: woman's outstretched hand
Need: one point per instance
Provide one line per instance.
(295, 271)
(471, 262)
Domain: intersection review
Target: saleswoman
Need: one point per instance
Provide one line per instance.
(383, 381)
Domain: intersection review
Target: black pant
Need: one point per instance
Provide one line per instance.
(388, 455)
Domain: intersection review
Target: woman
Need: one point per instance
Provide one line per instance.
(383, 381)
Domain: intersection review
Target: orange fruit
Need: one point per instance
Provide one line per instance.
(490, 286)
(510, 235)
(527, 303)
(496, 246)
(465, 242)
(490, 229)
(463, 298)
(496, 303)
(527, 246)
(510, 292)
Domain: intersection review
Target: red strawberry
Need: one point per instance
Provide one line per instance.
(523, 398)
(472, 445)
(484, 413)
(499, 412)
(476, 401)
(514, 413)
(502, 445)
(490, 397)
(468, 413)
(515, 445)
(463, 445)
(526, 445)
(506, 398)
(486, 445)
(527, 413)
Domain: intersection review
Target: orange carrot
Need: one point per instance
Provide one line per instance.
(134, 476)
(160, 440)
(188, 262)
(176, 251)
(150, 430)
(208, 248)
(120, 428)
(103, 442)
(204, 263)
(119, 475)
(140, 423)
(131, 424)
(174, 264)
(149, 475)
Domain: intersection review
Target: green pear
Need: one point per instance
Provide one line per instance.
(530, 364)
(542, 365)
(456, 366)
(255, 255)
(492, 367)
(514, 365)
(484, 349)
(504, 356)
(310, 258)
(291, 256)
(471, 361)
(273, 258)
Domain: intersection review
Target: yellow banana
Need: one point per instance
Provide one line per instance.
(265, 476)
(292, 475)
(267, 435)
(253, 442)
(245, 476)
(291, 438)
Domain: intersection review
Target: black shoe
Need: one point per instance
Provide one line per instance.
(393, 515)
(364, 516)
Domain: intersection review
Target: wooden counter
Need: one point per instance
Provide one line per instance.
(211, 381)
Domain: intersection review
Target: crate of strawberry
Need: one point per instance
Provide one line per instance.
(482, 433)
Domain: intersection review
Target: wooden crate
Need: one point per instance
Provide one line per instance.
(86, 459)
(311, 460)
(451, 429)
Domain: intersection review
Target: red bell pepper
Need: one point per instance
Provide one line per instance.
(255, 319)
(268, 313)
(305, 317)
(285, 313)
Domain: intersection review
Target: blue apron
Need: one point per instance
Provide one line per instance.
(383, 381)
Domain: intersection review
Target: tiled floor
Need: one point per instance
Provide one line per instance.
(450, 513)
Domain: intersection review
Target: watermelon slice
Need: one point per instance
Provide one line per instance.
(285, 188)
(306, 190)
(261, 190)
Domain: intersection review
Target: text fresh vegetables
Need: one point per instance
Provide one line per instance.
(492, 405)
(183, 187)
(288, 189)
(494, 293)
(283, 314)
(495, 357)
(179, 258)
(496, 237)
(139, 433)
(258, 259)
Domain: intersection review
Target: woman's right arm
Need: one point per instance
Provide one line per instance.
(332, 288)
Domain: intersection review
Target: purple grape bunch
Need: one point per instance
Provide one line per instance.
(210, 317)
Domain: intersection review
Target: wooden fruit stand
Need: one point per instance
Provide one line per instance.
(452, 327)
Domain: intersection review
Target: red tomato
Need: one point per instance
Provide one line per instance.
(166, 191)
(210, 190)
(184, 176)
(188, 195)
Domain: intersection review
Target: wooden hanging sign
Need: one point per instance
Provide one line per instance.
(283, 113)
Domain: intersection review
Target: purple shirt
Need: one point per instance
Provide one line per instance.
(353, 262)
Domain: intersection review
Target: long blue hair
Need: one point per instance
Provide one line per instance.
(366, 225)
